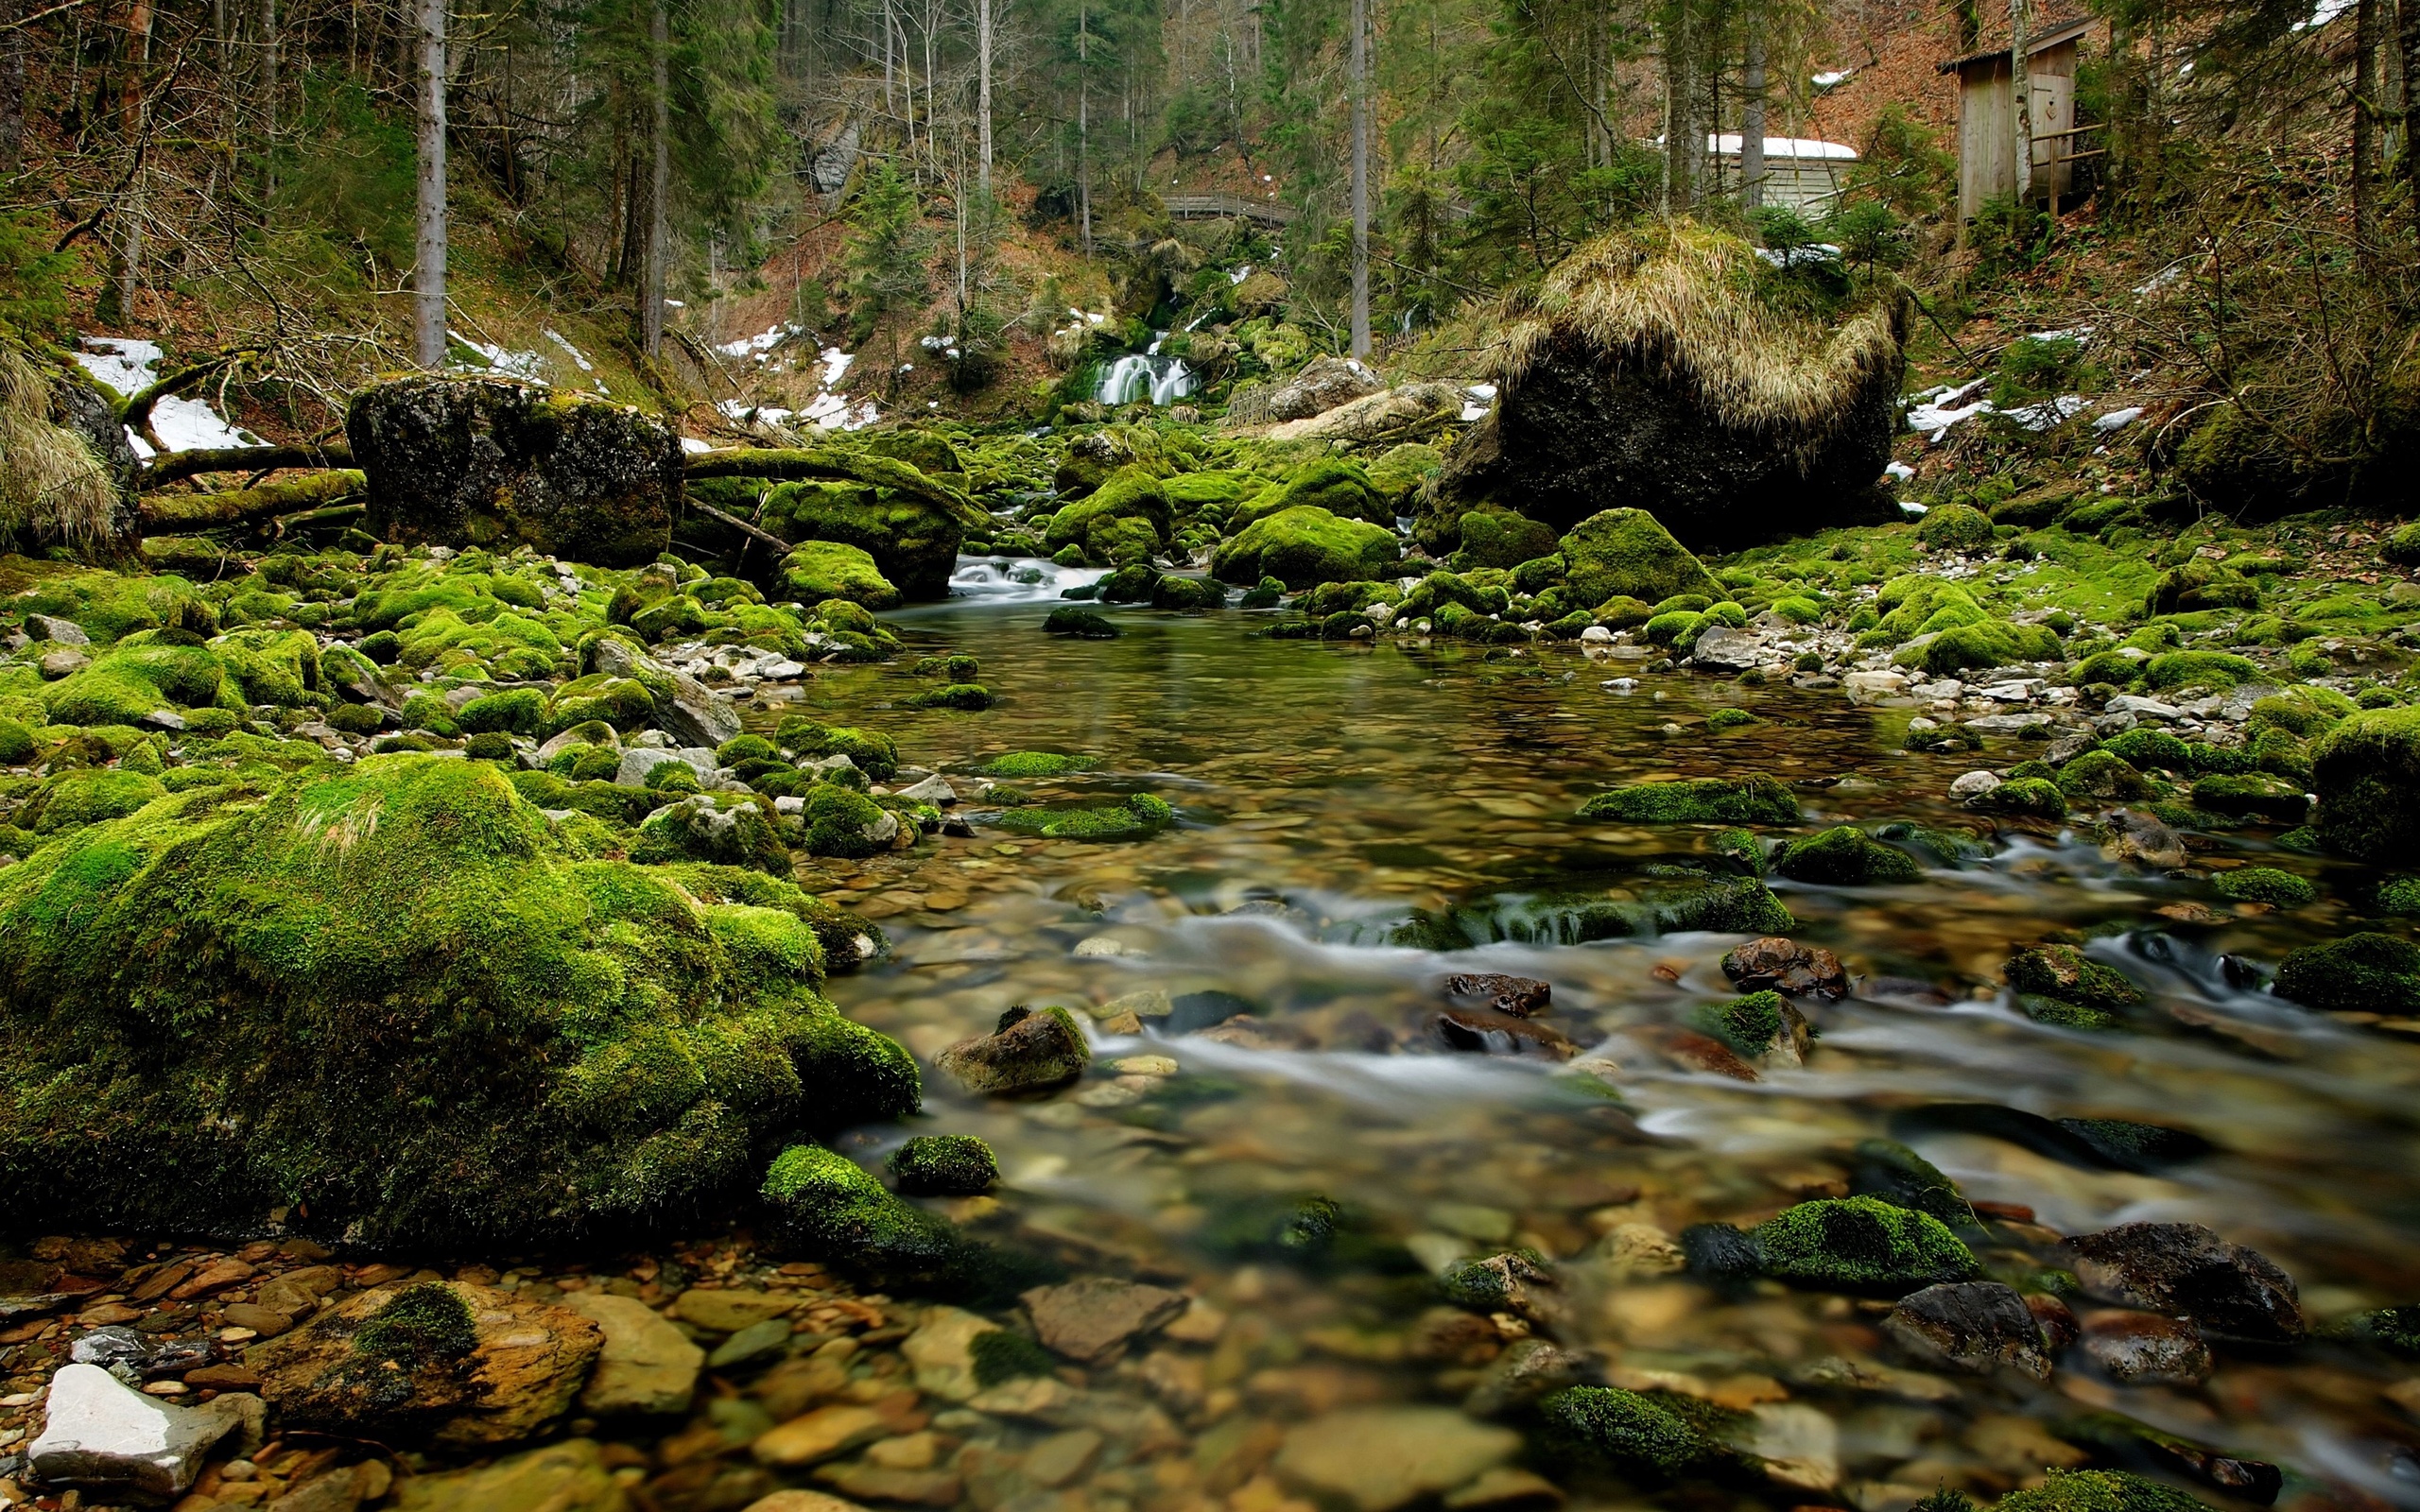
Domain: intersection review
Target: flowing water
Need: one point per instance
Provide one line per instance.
(1329, 792)
(1149, 374)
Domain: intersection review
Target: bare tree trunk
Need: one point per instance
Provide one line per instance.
(1083, 123)
(126, 267)
(270, 60)
(1360, 62)
(2020, 80)
(658, 177)
(428, 268)
(2408, 18)
(983, 93)
(2365, 134)
(1680, 93)
(12, 90)
(1752, 122)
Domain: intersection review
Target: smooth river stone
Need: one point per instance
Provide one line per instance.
(1382, 1457)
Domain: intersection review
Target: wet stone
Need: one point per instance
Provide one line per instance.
(1377, 1458)
(2146, 1349)
(1091, 1320)
(1786, 967)
(1976, 1325)
(1522, 997)
(2189, 1271)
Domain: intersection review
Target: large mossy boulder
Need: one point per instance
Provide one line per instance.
(913, 542)
(1627, 554)
(1654, 371)
(456, 461)
(393, 999)
(2366, 772)
(1124, 520)
(1305, 546)
(818, 570)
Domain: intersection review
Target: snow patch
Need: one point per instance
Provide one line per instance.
(520, 364)
(692, 445)
(759, 344)
(129, 367)
(1800, 256)
(2117, 419)
(579, 359)
(1476, 400)
(1897, 472)
(1832, 76)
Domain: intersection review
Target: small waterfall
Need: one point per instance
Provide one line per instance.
(1147, 374)
(1017, 579)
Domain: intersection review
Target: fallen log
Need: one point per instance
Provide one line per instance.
(788, 465)
(168, 467)
(168, 514)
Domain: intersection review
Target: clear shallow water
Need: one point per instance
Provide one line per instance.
(1329, 790)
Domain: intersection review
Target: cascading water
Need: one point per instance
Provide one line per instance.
(1148, 374)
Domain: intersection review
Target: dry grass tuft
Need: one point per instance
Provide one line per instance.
(53, 490)
(1678, 302)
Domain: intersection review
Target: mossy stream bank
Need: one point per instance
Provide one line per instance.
(1406, 1136)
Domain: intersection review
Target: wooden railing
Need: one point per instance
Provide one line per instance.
(1223, 207)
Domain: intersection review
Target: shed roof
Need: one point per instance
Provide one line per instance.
(1727, 144)
(2065, 32)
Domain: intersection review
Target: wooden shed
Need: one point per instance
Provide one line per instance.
(1799, 172)
(1987, 119)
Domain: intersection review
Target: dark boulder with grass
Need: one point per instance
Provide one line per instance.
(1651, 370)
(2366, 772)
(2368, 973)
(461, 461)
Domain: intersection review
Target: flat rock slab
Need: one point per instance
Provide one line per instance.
(1091, 1320)
(567, 1477)
(645, 1366)
(1377, 1458)
(99, 1432)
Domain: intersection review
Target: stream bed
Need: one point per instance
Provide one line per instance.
(1336, 798)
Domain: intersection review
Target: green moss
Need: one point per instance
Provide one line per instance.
(2065, 972)
(1082, 623)
(1845, 856)
(2366, 772)
(1862, 1244)
(2201, 584)
(823, 1207)
(2367, 973)
(2031, 798)
(1126, 520)
(733, 831)
(1628, 553)
(839, 821)
(2267, 885)
(1633, 1433)
(423, 1013)
(743, 748)
(1002, 1354)
(873, 752)
(1139, 817)
(1955, 527)
(515, 710)
(1305, 545)
(969, 696)
(2396, 1327)
(1186, 594)
(87, 795)
(2098, 1491)
(1985, 643)
(2398, 894)
(2146, 749)
(1723, 719)
(2215, 670)
(1749, 1025)
(1897, 1174)
(2253, 795)
(495, 746)
(817, 570)
(945, 1165)
(140, 676)
(2061, 1014)
(674, 777)
(17, 744)
(1677, 627)
(1696, 801)
(421, 1324)
(1033, 763)
(2103, 774)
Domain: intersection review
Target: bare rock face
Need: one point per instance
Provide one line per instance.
(1322, 385)
(492, 462)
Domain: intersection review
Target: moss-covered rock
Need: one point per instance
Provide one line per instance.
(2098, 1491)
(1627, 554)
(2368, 973)
(2267, 885)
(1627, 1431)
(1126, 520)
(833, 569)
(1080, 624)
(716, 828)
(1305, 545)
(2198, 585)
(1026, 764)
(968, 696)
(1845, 856)
(2253, 795)
(392, 994)
(2023, 798)
(872, 752)
(846, 824)
(913, 542)
(1139, 817)
(822, 1205)
(2366, 772)
(2067, 974)
(146, 673)
(71, 799)
(1338, 485)
(944, 1165)
(1862, 1245)
(1955, 527)
(1986, 643)
(1696, 801)
(461, 461)
(1498, 538)
(1030, 1051)
(2104, 774)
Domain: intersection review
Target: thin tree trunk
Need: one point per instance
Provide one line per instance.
(269, 61)
(12, 90)
(1083, 123)
(2407, 17)
(126, 272)
(2365, 135)
(1680, 91)
(658, 177)
(983, 93)
(428, 269)
(1361, 59)
(2020, 80)
(1752, 122)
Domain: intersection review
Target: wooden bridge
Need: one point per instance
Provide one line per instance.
(1228, 207)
